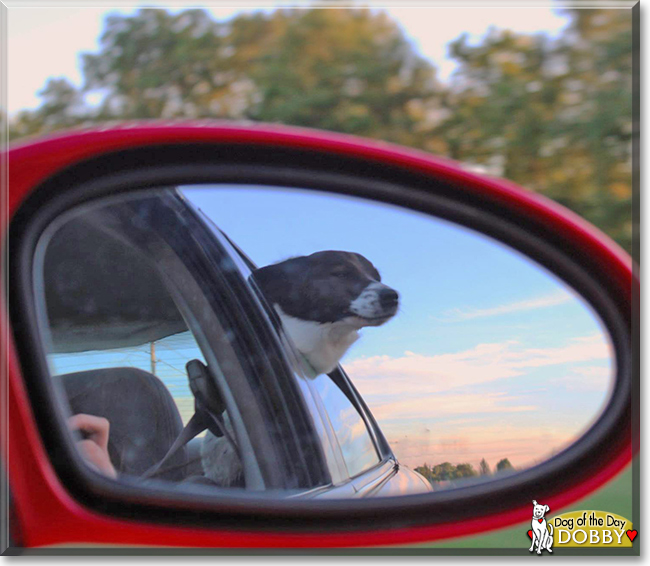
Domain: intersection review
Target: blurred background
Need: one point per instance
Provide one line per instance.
(540, 96)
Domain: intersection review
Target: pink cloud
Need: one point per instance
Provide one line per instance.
(423, 407)
(425, 418)
(524, 446)
(421, 374)
(586, 378)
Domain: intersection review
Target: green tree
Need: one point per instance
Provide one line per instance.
(552, 115)
(464, 471)
(425, 471)
(504, 465)
(349, 70)
(443, 472)
(484, 468)
(154, 64)
(63, 106)
(597, 121)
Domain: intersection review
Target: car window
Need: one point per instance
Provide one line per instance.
(117, 342)
(131, 313)
(357, 446)
(166, 359)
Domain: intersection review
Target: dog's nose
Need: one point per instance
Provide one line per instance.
(388, 298)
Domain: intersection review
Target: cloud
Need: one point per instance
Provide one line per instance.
(417, 375)
(426, 415)
(444, 405)
(586, 378)
(456, 315)
(523, 445)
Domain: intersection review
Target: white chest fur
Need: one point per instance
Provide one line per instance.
(323, 344)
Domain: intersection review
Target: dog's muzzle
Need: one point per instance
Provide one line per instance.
(376, 303)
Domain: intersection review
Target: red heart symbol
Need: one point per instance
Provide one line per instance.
(539, 520)
(530, 534)
(632, 534)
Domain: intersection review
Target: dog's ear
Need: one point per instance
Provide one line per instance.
(276, 279)
(534, 502)
(547, 508)
(261, 276)
(268, 280)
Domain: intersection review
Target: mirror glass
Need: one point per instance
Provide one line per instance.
(463, 360)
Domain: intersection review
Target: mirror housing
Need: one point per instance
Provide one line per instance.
(56, 173)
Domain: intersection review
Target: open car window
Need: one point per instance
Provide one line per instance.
(96, 380)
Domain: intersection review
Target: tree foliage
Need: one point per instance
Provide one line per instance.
(450, 472)
(345, 70)
(62, 107)
(446, 472)
(503, 465)
(160, 65)
(348, 70)
(552, 114)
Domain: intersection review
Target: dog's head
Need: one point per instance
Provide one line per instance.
(539, 510)
(329, 287)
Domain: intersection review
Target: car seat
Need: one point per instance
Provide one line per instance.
(144, 420)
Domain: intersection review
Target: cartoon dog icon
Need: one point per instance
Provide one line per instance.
(541, 534)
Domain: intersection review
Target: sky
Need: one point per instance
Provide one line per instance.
(47, 42)
(489, 356)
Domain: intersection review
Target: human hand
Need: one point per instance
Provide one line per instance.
(95, 446)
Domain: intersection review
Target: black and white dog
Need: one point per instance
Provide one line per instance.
(323, 300)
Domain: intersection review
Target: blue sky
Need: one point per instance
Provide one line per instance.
(448, 276)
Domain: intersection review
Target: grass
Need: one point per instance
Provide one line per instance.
(616, 497)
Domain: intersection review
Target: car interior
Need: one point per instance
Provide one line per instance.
(102, 295)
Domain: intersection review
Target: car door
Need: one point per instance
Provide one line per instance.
(378, 472)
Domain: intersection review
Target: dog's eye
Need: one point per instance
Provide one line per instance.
(341, 274)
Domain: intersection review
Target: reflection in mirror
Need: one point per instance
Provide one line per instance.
(474, 361)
